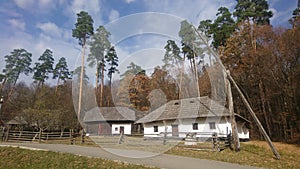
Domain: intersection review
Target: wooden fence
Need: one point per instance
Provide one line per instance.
(33, 136)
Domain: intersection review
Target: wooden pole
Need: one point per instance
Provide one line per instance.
(261, 128)
(165, 133)
(235, 135)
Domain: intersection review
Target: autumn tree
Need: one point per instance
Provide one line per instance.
(165, 85)
(139, 90)
(21, 99)
(133, 88)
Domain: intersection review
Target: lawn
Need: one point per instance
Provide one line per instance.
(253, 153)
(23, 159)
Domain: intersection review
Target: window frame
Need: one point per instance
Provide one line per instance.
(212, 125)
(155, 129)
(195, 126)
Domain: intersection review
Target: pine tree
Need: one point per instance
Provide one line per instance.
(61, 71)
(83, 30)
(256, 11)
(44, 67)
(99, 46)
(112, 60)
(222, 28)
(172, 55)
(17, 62)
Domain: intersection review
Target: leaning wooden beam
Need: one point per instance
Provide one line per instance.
(261, 128)
(235, 135)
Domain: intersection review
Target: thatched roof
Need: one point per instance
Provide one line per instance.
(186, 108)
(17, 121)
(99, 114)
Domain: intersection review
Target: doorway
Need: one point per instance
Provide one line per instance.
(175, 132)
(121, 129)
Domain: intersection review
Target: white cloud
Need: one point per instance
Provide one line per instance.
(90, 6)
(129, 1)
(10, 12)
(50, 28)
(46, 3)
(17, 24)
(39, 6)
(113, 15)
(24, 4)
(281, 17)
(193, 11)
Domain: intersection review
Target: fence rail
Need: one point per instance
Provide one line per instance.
(12, 135)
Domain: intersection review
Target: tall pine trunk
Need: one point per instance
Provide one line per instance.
(81, 78)
(57, 83)
(102, 86)
(181, 74)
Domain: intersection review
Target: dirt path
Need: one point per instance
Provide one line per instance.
(161, 161)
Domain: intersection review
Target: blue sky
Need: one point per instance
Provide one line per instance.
(36, 25)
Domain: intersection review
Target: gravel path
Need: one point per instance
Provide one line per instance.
(161, 161)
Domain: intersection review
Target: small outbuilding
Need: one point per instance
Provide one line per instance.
(17, 122)
(109, 121)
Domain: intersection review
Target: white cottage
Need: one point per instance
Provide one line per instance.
(109, 120)
(200, 116)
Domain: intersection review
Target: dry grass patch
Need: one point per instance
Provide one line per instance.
(254, 153)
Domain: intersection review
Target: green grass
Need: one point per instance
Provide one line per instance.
(254, 153)
(23, 159)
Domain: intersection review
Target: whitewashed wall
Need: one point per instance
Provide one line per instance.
(127, 128)
(243, 131)
(149, 129)
(203, 126)
(223, 127)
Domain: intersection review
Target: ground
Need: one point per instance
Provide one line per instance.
(253, 153)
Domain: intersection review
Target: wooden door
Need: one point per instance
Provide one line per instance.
(121, 129)
(175, 132)
(104, 129)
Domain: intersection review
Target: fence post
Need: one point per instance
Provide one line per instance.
(40, 135)
(2, 134)
(72, 138)
(121, 138)
(7, 134)
(82, 136)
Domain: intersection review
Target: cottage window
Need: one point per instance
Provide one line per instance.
(155, 128)
(195, 126)
(212, 125)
